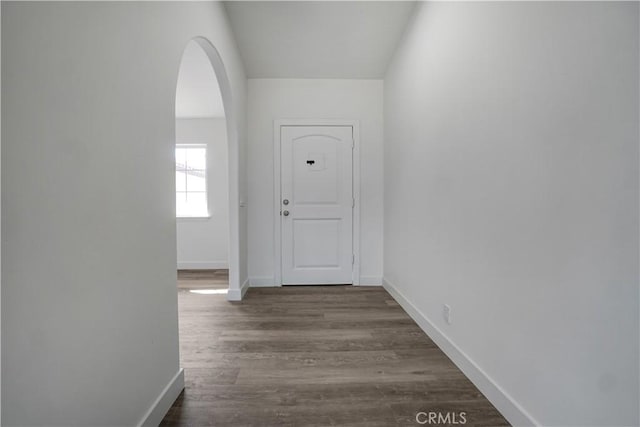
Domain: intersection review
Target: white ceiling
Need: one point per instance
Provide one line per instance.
(197, 93)
(317, 39)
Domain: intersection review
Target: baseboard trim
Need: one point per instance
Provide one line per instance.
(508, 407)
(163, 403)
(370, 281)
(238, 294)
(196, 265)
(263, 282)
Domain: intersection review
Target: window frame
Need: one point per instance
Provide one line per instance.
(207, 213)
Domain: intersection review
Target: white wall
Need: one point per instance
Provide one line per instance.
(511, 193)
(89, 306)
(271, 99)
(204, 242)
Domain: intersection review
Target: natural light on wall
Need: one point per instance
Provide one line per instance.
(191, 180)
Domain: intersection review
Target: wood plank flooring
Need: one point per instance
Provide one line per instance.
(311, 356)
(203, 279)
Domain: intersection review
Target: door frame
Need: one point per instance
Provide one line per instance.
(277, 125)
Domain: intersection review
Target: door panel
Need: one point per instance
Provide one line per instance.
(316, 180)
(316, 243)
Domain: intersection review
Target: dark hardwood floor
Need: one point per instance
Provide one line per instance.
(315, 355)
(203, 279)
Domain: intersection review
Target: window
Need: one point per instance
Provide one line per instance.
(191, 180)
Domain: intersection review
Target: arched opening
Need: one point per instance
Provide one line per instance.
(206, 174)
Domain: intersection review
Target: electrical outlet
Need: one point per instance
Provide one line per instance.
(446, 313)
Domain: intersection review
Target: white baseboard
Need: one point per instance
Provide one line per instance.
(263, 282)
(370, 281)
(163, 403)
(508, 407)
(238, 294)
(199, 265)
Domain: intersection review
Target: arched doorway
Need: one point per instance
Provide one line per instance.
(207, 201)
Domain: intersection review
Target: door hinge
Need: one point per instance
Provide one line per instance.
(354, 202)
(353, 144)
(353, 259)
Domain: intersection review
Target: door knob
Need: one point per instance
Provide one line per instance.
(285, 213)
(285, 202)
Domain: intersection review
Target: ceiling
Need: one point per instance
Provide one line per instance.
(317, 39)
(197, 93)
(296, 39)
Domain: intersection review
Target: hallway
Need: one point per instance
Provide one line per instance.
(472, 168)
(315, 355)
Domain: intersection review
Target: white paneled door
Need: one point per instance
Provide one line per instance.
(316, 204)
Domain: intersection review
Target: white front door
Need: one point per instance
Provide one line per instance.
(316, 204)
